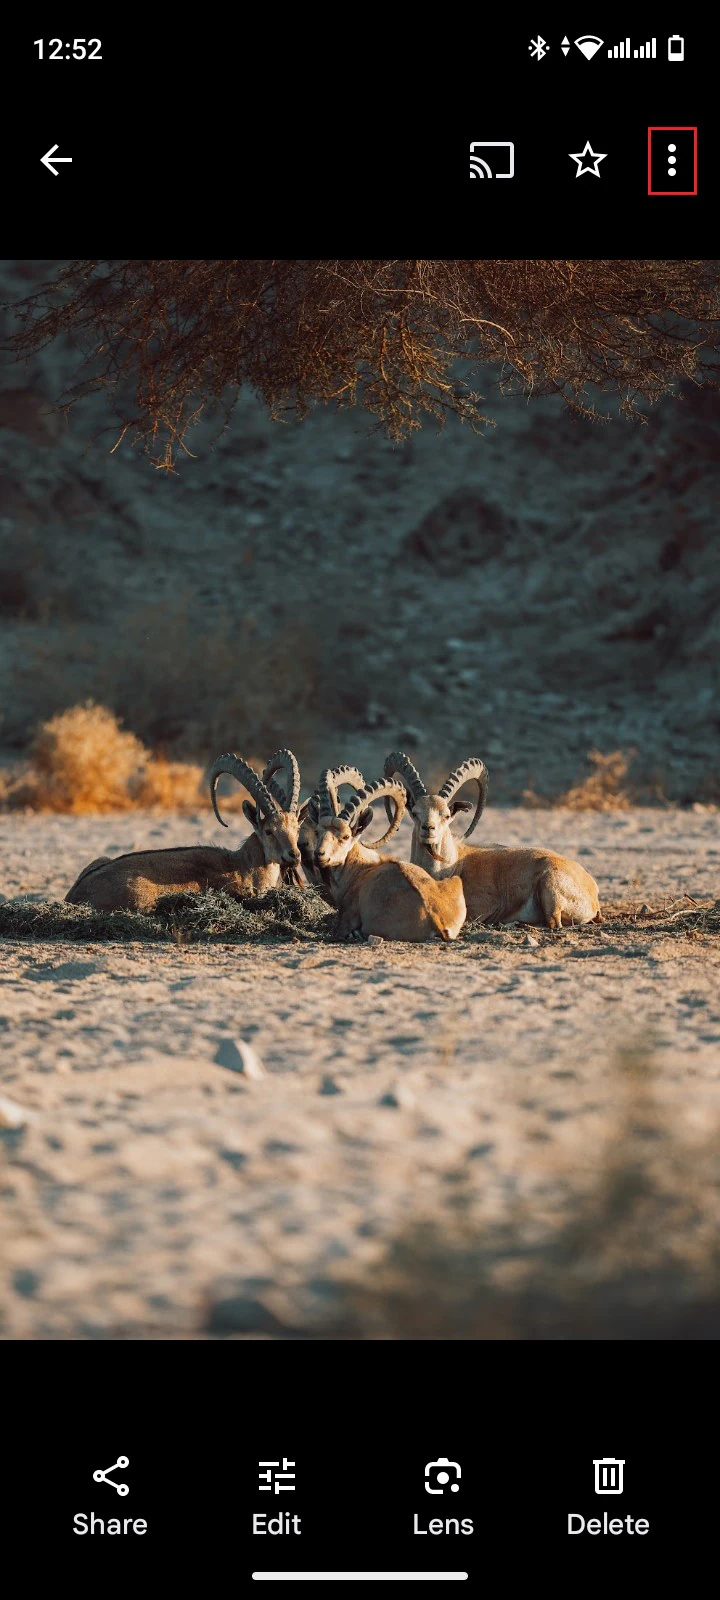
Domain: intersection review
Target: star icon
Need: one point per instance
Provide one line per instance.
(591, 165)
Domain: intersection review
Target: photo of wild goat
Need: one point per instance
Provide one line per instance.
(135, 882)
(388, 898)
(326, 1037)
(445, 881)
(501, 886)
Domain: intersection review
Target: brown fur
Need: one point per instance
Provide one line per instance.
(532, 886)
(501, 885)
(136, 882)
(392, 899)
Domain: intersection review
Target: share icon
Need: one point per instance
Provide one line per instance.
(101, 1476)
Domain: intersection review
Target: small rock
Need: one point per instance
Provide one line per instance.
(399, 1098)
(375, 938)
(534, 944)
(644, 910)
(238, 1056)
(26, 1282)
(235, 1158)
(12, 1115)
(329, 1086)
(241, 1313)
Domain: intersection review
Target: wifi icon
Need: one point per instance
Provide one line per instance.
(589, 44)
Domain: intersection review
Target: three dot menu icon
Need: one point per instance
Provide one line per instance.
(672, 161)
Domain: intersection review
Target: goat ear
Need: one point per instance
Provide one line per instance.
(250, 811)
(460, 805)
(363, 822)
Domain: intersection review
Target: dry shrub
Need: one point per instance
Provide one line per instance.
(83, 761)
(605, 788)
(171, 786)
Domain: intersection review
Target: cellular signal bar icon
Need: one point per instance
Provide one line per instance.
(624, 52)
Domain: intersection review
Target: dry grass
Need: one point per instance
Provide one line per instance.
(218, 915)
(184, 918)
(173, 786)
(604, 789)
(82, 761)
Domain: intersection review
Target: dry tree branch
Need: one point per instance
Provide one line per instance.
(165, 337)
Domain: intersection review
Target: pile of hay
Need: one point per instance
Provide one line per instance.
(184, 918)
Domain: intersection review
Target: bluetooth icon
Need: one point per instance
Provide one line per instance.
(538, 47)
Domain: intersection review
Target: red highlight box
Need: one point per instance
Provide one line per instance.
(694, 132)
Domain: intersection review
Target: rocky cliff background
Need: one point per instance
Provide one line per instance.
(533, 595)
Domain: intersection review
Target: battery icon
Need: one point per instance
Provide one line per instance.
(676, 48)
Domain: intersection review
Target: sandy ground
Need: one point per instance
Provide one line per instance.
(152, 1187)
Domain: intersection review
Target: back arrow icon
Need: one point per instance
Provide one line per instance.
(48, 163)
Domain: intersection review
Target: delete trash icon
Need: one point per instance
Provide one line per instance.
(608, 1475)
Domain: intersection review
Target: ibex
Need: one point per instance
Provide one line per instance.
(135, 882)
(392, 899)
(501, 885)
(337, 778)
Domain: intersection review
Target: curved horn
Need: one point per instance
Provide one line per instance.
(473, 769)
(309, 808)
(398, 765)
(245, 774)
(327, 800)
(284, 761)
(364, 798)
(351, 775)
(331, 780)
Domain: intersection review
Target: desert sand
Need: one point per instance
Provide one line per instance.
(151, 1189)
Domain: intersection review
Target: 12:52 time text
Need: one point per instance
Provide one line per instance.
(77, 49)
